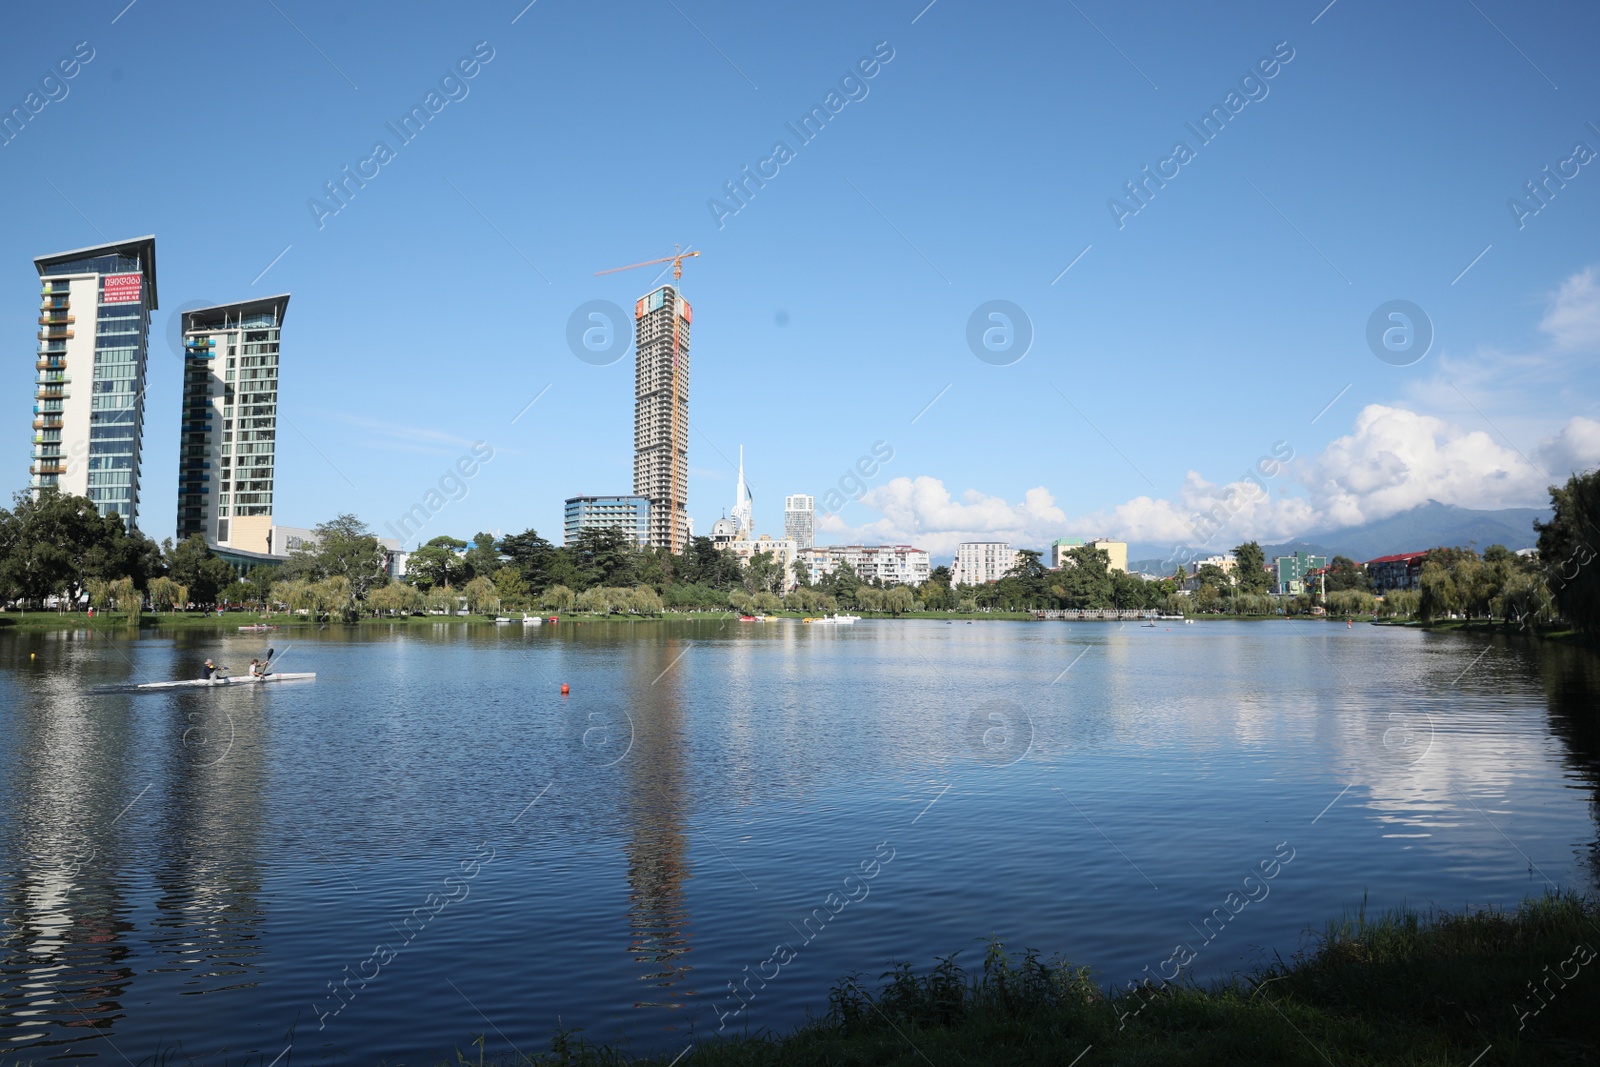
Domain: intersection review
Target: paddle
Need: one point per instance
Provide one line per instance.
(267, 663)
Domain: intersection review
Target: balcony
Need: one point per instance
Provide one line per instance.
(57, 318)
(54, 468)
(52, 422)
(55, 333)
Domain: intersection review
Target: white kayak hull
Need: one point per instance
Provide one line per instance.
(202, 683)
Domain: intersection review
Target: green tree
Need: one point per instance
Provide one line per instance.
(1085, 578)
(530, 554)
(604, 556)
(192, 563)
(438, 563)
(1250, 567)
(480, 594)
(1345, 573)
(1568, 544)
(53, 545)
(483, 558)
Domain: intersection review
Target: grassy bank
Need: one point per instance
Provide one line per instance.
(1402, 989)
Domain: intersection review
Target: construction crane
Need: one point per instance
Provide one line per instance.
(675, 260)
(674, 500)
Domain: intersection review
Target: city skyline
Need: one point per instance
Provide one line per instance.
(1222, 314)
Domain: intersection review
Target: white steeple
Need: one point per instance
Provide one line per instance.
(741, 513)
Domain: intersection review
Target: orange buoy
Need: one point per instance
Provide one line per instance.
(565, 689)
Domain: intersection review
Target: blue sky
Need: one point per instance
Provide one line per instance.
(974, 165)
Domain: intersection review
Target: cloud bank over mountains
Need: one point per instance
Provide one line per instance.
(1394, 459)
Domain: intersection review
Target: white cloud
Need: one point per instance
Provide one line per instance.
(1393, 460)
(1573, 317)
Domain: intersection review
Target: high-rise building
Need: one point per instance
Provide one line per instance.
(798, 510)
(661, 413)
(94, 343)
(228, 439)
(630, 514)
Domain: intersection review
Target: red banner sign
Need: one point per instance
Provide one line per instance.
(121, 289)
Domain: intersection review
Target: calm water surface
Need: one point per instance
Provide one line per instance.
(429, 843)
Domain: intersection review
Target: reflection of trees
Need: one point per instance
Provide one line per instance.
(657, 848)
(1572, 691)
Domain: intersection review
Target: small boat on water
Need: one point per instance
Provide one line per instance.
(504, 619)
(243, 679)
(531, 620)
(257, 628)
(836, 620)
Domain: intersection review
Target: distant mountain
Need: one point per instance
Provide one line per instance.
(1432, 524)
(1424, 526)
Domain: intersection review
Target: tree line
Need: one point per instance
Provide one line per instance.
(59, 548)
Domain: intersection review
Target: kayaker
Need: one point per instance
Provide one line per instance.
(255, 669)
(207, 671)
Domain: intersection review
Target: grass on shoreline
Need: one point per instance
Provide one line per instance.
(1404, 988)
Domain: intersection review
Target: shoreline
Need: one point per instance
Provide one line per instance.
(1405, 987)
(112, 622)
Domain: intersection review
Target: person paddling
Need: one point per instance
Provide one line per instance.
(208, 672)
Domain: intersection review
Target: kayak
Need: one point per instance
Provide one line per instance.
(245, 679)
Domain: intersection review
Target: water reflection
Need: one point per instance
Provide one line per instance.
(1571, 681)
(65, 954)
(657, 798)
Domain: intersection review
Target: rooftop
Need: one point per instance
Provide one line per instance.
(141, 248)
(200, 318)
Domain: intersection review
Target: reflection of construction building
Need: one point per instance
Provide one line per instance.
(889, 564)
(658, 841)
(88, 414)
(661, 413)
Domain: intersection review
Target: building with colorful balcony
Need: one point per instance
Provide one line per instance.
(88, 411)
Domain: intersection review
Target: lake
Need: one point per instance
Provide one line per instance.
(429, 842)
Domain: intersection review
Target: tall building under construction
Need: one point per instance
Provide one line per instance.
(661, 413)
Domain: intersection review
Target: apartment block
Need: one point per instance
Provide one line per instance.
(892, 564)
(227, 445)
(88, 412)
(978, 562)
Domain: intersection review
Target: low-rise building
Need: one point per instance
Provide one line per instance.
(1292, 571)
(890, 564)
(784, 552)
(978, 562)
(630, 514)
(1116, 552)
(1400, 571)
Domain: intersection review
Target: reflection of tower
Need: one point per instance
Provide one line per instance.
(208, 913)
(657, 846)
(64, 923)
(743, 505)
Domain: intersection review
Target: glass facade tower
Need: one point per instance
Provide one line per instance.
(227, 446)
(94, 330)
